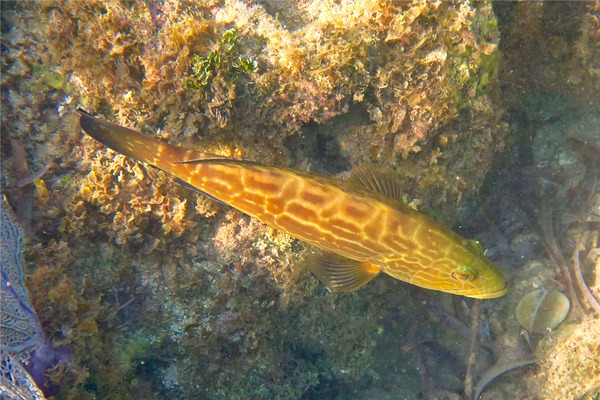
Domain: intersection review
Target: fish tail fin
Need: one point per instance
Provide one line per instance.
(136, 145)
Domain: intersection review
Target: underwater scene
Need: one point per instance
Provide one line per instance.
(310, 199)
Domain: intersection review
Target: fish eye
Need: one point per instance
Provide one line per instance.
(463, 274)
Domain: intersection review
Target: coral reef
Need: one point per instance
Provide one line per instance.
(570, 363)
(421, 74)
(163, 293)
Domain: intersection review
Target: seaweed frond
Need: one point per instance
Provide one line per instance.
(225, 59)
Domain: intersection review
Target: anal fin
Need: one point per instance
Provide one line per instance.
(341, 274)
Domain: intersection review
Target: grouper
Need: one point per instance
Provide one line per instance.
(360, 225)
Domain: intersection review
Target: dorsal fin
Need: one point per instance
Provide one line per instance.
(341, 274)
(378, 179)
(211, 158)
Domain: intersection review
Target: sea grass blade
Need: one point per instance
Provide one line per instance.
(495, 372)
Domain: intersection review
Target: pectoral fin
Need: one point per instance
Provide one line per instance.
(341, 274)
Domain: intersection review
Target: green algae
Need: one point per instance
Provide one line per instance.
(225, 59)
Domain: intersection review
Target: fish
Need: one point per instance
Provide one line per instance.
(359, 227)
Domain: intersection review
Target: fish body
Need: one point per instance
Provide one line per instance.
(366, 231)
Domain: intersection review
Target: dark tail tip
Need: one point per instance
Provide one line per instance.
(126, 141)
(110, 134)
(87, 121)
(82, 111)
(90, 124)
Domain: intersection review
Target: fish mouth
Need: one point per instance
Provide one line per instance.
(492, 294)
(488, 292)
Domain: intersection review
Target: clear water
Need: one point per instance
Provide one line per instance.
(159, 293)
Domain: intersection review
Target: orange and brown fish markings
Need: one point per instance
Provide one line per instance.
(368, 231)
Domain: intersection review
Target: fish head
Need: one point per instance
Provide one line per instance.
(464, 272)
(480, 279)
